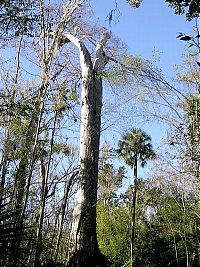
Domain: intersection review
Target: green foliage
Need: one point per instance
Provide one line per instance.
(153, 249)
(190, 7)
(128, 68)
(134, 3)
(63, 148)
(110, 180)
(135, 143)
(113, 229)
(167, 225)
(18, 17)
(172, 227)
(193, 119)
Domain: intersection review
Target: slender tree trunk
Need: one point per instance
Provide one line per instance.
(20, 178)
(23, 169)
(4, 166)
(48, 54)
(68, 186)
(41, 216)
(133, 215)
(44, 175)
(175, 245)
(84, 250)
(20, 182)
(184, 232)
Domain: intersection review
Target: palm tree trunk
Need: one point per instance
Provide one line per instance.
(133, 218)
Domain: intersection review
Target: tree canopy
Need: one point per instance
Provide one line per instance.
(19, 17)
(135, 144)
(189, 7)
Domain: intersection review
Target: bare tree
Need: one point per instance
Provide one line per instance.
(84, 250)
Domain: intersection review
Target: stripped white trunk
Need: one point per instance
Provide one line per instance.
(83, 233)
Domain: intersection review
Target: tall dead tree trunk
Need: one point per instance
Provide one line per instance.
(84, 250)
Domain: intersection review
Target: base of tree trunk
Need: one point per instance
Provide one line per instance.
(81, 259)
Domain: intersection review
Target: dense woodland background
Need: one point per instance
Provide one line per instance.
(151, 222)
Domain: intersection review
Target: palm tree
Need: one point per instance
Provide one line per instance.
(135, 147)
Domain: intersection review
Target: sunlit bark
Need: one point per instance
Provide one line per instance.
(84, 250)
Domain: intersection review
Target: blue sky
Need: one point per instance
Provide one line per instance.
(153, 26)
